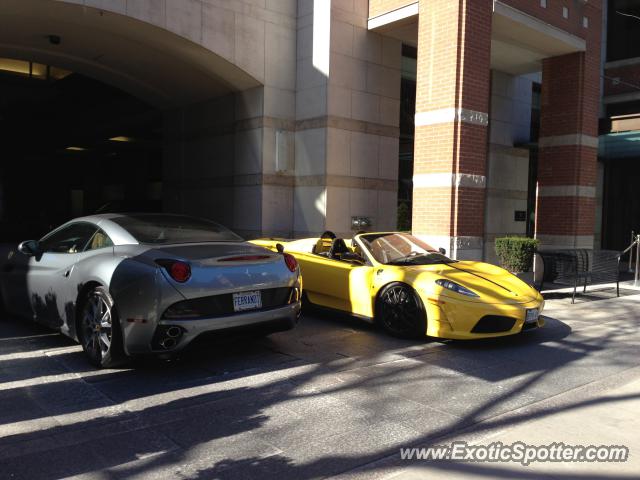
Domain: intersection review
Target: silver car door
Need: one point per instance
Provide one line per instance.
(48, 278)
(99, 244)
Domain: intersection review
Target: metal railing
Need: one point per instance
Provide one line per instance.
(635, 242)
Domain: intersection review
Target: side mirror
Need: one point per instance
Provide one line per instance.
(443, 251)
(352, 257)
(29, 248)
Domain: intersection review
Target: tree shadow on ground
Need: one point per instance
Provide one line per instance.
(308, 417)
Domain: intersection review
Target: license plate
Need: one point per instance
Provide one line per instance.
(532, 316)
(247, 301)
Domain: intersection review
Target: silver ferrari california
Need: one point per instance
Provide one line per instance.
(132, 284)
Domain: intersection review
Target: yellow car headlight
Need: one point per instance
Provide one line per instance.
(456, 287)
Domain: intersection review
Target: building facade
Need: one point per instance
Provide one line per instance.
(462, 120)
(619, 210)
(479, 65)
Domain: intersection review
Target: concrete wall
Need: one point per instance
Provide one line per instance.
(232, 158)
(224, 159)
(314, 145)
(347, 119)
(199, 161)
(240, 31)
(508, 166)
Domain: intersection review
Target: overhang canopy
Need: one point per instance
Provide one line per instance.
(519, 42)
(401, 23)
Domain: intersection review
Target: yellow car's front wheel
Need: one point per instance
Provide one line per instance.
(400, 312)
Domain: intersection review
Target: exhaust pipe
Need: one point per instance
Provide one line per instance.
(168, 343)
(174, 332)
(169, 338)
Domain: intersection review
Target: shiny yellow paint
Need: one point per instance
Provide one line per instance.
(354, 288)
(331, 283)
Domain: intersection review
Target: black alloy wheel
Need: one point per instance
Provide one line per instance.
(400, 311)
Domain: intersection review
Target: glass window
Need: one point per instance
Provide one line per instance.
(150, 228)
(99, 240)
(623, 29)
(402, 249)
(70, 239)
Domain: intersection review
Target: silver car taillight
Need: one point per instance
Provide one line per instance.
(178, 270)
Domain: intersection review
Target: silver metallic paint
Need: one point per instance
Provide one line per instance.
(142, 290)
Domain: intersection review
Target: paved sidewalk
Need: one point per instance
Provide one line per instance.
(603, 412)
(611, 418)
(335, 397)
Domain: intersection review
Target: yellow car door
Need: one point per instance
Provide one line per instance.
(337, 284)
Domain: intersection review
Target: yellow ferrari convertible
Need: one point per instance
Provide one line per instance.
(412, 289)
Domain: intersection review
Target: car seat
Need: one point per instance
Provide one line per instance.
(99, 240)
(324, 244)
(338, 247)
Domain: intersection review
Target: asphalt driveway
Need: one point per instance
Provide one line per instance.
(333, 397)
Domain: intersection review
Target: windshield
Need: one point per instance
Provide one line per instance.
(402, 249)
(149, 228)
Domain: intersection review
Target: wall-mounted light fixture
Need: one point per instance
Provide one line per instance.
(360, 223)
(122, 138)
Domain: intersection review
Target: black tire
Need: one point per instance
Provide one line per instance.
(307, 306)
(399, 311)
(101, 341)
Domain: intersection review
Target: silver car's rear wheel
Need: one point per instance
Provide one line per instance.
(99, 329)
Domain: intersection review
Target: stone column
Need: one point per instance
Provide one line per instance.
(347, 120)
(450, 153)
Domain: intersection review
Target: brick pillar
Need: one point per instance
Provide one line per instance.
(452, 102)
(567, 168)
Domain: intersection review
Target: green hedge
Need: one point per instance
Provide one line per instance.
(516, 253)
